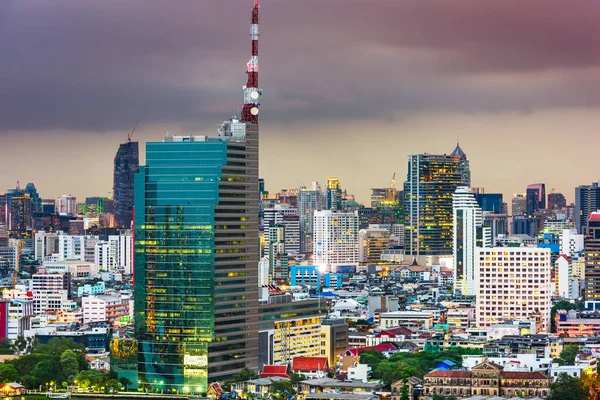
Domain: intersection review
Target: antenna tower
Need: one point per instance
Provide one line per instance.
(251, 90)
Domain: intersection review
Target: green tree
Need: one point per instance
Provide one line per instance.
(56, 346)
(69, 365)
(45, 372)
(568, 354)
(112, 385)
(125, 382)
(404, 395)
(295, 378)
(8, 373)
(279, 387)
(567, 388)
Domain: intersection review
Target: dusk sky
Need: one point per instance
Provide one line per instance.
(350, 87)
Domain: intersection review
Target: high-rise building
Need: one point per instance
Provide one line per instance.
(490, 202)
(333, 194)
(571, 243)
(519, 204)
(469, 233)
(125, 166)
(592, 262)
(371, 244)
(67, 205)
(556, 201)
(278, 257)
(335, 241)
(428, 191)
(540, 198)
(587, 200)
(513, 283)
(202, 217)
(310, 199)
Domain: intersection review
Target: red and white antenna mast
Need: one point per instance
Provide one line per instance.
(251, 90)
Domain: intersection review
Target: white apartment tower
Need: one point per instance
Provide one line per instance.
(335, 239)
(469, 234)
(571, 243)
(513, 283)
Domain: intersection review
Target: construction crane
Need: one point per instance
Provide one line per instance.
(132, 131)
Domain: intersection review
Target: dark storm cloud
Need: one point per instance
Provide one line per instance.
(97, 66)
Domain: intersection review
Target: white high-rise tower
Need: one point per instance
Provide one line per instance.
(469, 233)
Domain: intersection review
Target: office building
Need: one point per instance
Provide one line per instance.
(208, 218)
(371, 244)
(310, 199)
(587, 200)
(333, 194)
(278, 257)
(519, 204)
(536, 197)
(67, 205)
(490, 202)
(335, 240)
(513, 283)
(592, 262)
(468, 233)
(498, 224)
(334, 339)
(428, 191)
(126, 164)
(556, 201)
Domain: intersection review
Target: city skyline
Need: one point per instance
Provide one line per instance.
(502, 92)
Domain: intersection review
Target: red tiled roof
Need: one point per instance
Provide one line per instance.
(448, 374)
(523, 375)
(309, 364)
(398, 331)
(270, 371)
(380, 347)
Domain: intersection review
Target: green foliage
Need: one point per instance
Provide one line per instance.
(112, 385)
(404, 395)
(567, 388)
(69, 365)
(404, 365)
(280, 387)
(125, 382)
(90, 379)
(45, 372)
(8, 373)
(569, 353)
(56, 346)
(59, 360)
(295, 378)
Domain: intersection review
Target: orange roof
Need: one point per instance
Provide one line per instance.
(448, 374)
(309, 364)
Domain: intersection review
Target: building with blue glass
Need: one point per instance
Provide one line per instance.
(196, 257)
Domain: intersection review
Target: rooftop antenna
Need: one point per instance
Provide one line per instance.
(251, 90)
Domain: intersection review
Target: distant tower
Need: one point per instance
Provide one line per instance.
(126, 165)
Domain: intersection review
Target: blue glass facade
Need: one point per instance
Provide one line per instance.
(175, 198)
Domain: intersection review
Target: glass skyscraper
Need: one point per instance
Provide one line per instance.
(196, 258)
(126, 165)
(428, 190)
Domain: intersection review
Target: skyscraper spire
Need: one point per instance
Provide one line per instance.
(251, 90)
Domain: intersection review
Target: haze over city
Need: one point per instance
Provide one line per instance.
(351, 88)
